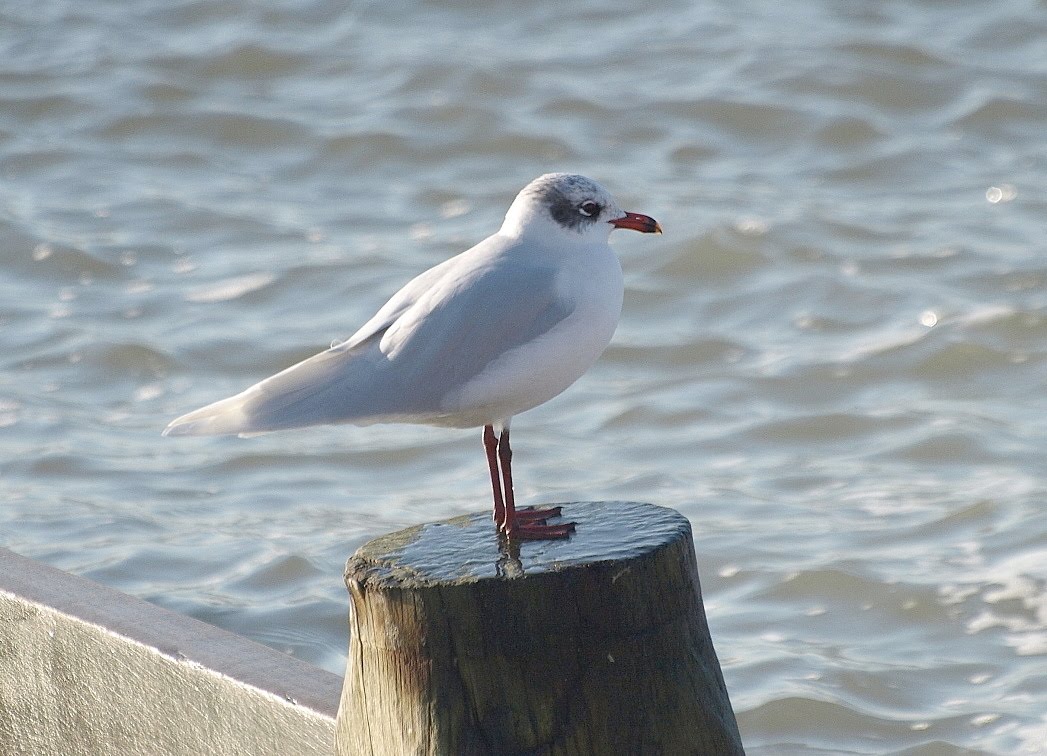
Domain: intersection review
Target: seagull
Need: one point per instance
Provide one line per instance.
(472, 342)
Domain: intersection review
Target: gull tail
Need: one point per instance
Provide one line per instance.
(330, 387)
(223, 418)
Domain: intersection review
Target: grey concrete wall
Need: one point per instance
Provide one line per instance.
(88, 670)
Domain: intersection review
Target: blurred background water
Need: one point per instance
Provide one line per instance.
(832, 362)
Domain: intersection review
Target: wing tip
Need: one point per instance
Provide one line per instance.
(182, 427)
(175, 428)
(224, 418)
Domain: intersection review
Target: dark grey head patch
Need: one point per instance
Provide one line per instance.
(575, 202)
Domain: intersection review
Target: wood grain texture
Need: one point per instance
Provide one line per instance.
(461, 644)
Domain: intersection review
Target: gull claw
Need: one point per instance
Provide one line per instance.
(533, 531)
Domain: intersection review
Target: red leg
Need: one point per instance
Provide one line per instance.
(505, 456)
(491, 445)
(518, 525)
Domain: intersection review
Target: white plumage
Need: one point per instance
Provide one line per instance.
(483, 336)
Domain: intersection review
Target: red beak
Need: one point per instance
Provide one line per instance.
(645, 224)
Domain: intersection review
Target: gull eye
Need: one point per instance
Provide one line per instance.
(589, 208)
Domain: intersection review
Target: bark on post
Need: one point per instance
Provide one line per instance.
(461, 644)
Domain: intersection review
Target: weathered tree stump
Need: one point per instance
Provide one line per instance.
(464, 644)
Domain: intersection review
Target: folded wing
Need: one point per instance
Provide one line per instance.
(437, 333)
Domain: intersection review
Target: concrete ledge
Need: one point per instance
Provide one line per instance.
(88, 670)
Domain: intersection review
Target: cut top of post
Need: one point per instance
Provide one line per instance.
(468, 548)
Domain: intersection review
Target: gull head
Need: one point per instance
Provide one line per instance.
(571, 205)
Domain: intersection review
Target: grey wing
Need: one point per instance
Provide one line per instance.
(438, 332)
(400, 302)
(463, 325)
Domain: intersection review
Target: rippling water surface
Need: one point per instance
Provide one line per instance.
(833, 362)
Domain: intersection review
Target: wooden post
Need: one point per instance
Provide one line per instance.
(463, 644)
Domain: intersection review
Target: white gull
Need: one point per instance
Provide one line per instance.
(492, 332)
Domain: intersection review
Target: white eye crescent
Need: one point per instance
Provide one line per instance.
(589, 208)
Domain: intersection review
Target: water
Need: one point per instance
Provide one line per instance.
(832, 362)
